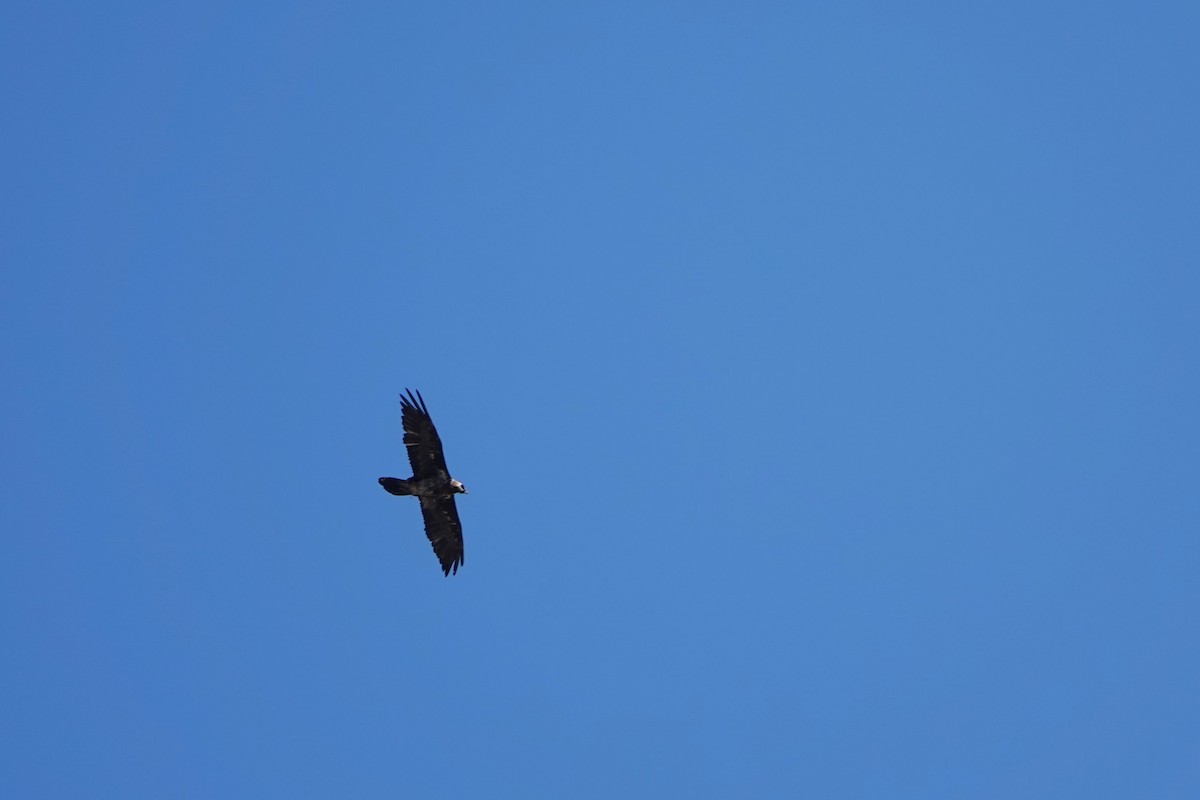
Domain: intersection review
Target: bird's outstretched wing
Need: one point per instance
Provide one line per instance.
(444, 531)
(421, 439)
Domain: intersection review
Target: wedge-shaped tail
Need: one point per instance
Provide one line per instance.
(395, 485)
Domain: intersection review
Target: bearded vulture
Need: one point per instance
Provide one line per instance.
(430, 482)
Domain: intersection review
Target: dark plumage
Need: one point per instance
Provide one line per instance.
(430, 481)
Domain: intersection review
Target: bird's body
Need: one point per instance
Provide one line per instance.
(431, 482)
(426, 487)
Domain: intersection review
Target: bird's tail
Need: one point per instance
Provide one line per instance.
(395, 485)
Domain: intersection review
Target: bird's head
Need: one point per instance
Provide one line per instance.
(457, 486)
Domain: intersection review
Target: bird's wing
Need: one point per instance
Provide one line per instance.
(444, 531)
(421, 439)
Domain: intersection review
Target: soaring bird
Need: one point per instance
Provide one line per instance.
(430, 482)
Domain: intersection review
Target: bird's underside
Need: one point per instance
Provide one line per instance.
(429, 487)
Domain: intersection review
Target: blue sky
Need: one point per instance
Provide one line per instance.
(824, 376)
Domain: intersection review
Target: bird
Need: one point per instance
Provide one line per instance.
(430, 482)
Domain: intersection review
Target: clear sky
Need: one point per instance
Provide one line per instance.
(825, 376)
